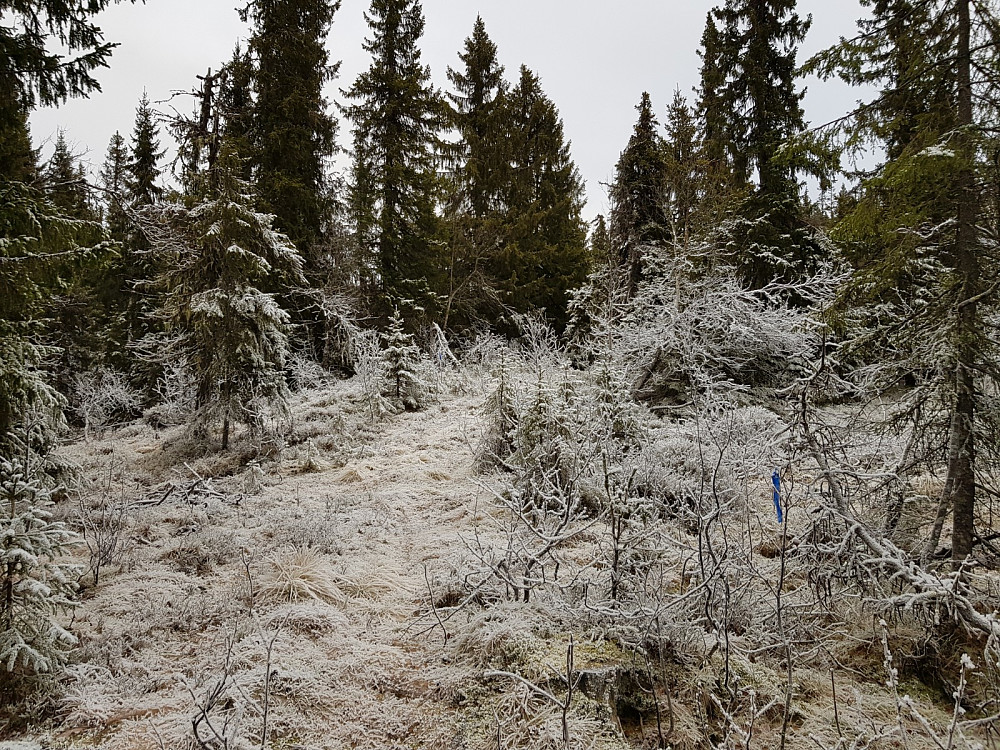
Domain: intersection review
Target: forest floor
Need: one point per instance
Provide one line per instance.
(288, 606)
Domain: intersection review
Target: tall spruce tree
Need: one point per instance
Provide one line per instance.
(751, 109)
(397, 116)
(920, 293)
(478, 165)
(478, 109)
(64, 181)
(291, 130)
(144, 157)
(639, 195)
(545, 254)
(684, 169)
(112, 180)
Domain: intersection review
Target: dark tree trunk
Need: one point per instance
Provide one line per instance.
(960, 485)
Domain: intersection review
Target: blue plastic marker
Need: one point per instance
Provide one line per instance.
(776, 481)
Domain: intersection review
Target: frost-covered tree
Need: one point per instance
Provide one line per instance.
(36, 583)
(401, 357)
(922, 303)
(225, 265)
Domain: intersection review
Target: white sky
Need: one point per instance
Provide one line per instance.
(594, 57)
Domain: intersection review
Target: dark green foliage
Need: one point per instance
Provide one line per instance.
(32, 73)
(479, 169)
(37, 241)
(113, 181)
(40, 244)
(482, 163)
(290, 131)
(751, 111)
(143, 168)
(760, 107)
(545, 254)
(64, 181)
(639, 195)
(396, 116)
(684, 168)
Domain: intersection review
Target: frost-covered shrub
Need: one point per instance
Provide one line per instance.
(35, 583)
(305, 373)
(177, 394)
(369, 368)
(101, 396)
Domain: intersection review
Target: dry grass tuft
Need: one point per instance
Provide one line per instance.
(299, 576)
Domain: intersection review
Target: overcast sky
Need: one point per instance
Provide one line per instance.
(595, 58)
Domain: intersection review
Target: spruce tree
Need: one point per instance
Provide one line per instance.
(143, 165)
(920, 294)
(401, 358)
(291, 130)
(138, 267)
(113, 180)
(684, 169)
(36, 240)
(478, 168)
(397, 115)
(36, 583)
(64, 181)
(478, 108)
(639, 196)
(225, 266)
(752, 109)
(545, 254)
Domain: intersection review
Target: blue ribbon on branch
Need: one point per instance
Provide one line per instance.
(776, 481)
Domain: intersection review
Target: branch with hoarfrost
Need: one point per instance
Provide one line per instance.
(951, 591)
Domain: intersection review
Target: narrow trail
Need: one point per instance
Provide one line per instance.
(355, 662)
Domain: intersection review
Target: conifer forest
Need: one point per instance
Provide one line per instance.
(331, 417)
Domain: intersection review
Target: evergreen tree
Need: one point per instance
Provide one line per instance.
(65, 183)
(478, 102)
(479, 169)
(683, 169)
(751, 109)
(401, 358)
(715, 131)
(36, 240)
(113, 180)
(397, 116)
(601, 252)
(224, 266)
(291, 132)
(760, 106)
(639, 195)
(545, 254)
(143, 164)
(138, 267)
(36, 584)
(920, 293)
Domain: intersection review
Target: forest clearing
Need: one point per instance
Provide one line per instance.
(330, 419)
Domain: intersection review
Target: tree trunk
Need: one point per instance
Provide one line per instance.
(960, 484)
